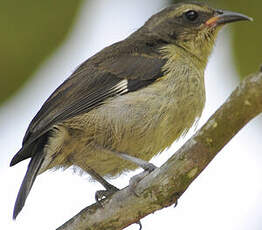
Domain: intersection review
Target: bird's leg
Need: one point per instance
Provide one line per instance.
(110, 189)
(100, 194)
(148, 167)
(139, 162)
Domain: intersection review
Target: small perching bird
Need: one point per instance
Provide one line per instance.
(128, 102)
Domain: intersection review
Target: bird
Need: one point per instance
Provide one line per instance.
(127, 103)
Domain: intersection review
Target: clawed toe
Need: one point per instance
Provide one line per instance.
(149, 167)
(175, 204)
(103, 194)
(140, 224)
(137, 178)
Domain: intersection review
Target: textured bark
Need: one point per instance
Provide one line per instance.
(166, 184)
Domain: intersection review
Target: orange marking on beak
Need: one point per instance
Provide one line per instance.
(212, 21)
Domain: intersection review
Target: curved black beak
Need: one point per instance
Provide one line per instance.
(223, 17)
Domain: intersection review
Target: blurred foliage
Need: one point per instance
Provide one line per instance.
(30, 31)
(246, 37)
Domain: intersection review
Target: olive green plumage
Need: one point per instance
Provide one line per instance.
(136, 96)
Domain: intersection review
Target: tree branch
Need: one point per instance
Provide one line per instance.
(166, 184)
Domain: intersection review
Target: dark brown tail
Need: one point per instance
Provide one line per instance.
(31, 173)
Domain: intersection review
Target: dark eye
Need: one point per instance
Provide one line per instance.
(191, 15)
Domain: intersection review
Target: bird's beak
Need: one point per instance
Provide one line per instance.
(223, 17)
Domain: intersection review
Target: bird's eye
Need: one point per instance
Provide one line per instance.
(191, 15)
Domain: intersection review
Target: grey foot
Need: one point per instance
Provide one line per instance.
(137, 178)
(149, 167)
(103, 194)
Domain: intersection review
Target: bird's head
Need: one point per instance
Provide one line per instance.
(192, 26)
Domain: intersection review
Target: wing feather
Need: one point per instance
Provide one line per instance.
(114, 71)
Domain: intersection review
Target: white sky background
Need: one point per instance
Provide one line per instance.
(227, 195)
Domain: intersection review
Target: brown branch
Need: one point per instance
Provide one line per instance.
(165, 185)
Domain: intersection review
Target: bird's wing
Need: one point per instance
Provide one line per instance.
(96, 80)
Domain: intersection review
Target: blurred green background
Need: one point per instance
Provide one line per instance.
(32, 30)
